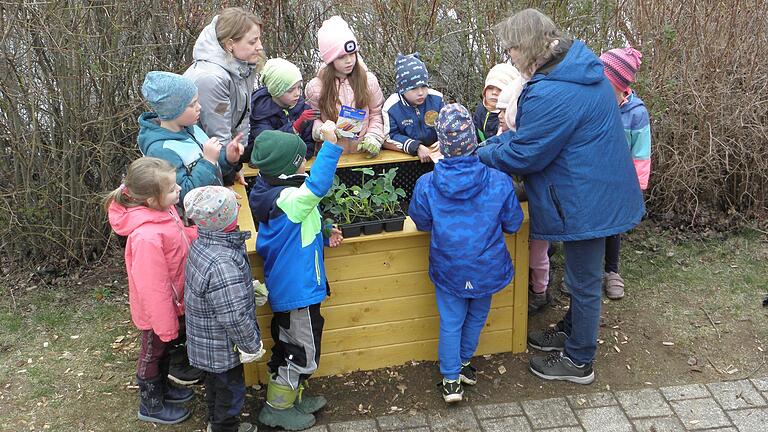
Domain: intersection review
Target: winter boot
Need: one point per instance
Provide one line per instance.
(151, 405)
(179, 369)
(177, 395)
(309, 404)
(280, 409)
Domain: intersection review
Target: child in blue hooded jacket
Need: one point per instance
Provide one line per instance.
(279, 105)
(410, 114)
(291, 237)
(467, 207)
(170, 132)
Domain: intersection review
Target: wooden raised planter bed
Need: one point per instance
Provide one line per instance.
(382, 309)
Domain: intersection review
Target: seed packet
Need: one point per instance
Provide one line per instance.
(350, 122)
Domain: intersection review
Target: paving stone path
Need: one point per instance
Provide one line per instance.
(729, 406)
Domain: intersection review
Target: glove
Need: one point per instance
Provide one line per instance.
(247, 358)
(369, 145)
(305, 118)
(260, 292)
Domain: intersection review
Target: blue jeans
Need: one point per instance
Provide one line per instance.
(584, 276)
(461, 321)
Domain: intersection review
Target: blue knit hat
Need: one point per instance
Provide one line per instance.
(455, 131)
(168, 94)
(410, 72)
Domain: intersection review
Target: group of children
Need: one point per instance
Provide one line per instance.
(189, 275)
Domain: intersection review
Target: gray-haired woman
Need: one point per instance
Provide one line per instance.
(570, 148)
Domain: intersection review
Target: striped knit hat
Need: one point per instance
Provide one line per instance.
(621, 65)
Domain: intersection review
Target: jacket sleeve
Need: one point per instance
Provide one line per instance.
(640, 147)
(512, 213)
(419, 209)
(228, 297)
(396, 140)
(375, 120)
(154, 287)
(546, 124)
(202, 173)
(298, 203)
(312, 95)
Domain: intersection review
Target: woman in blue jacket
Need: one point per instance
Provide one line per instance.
(581, 185)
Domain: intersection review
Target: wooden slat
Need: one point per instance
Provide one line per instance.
(520, 284)
(353, 160)
(244, 217)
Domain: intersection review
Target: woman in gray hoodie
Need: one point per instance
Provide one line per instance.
(226, 55)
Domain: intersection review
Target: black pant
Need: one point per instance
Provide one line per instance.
(225, 396)
(612, 253)
(296, 354)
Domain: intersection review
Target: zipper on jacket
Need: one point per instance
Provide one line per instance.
(556, 202)
(317, 267)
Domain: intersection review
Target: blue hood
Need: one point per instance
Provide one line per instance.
(579, 66)
(151, 132)
(264, 107)
(459, 177)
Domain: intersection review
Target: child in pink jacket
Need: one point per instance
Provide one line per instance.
(143, 209)
(345, 80)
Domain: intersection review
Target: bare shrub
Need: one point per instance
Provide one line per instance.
(70, 74)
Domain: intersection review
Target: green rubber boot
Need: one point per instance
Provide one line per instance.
(309, 404)
(280, 409)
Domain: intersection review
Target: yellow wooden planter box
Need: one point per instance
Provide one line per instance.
(382, 309)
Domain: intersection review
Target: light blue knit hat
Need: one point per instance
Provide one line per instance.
(168, 94)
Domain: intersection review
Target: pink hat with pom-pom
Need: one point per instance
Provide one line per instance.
(335, 39)
(621, 64)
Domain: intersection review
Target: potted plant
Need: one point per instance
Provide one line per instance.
(390, 197)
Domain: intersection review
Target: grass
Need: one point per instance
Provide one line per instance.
(58, 366)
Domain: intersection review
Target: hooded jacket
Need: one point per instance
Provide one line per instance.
(486, 122)
(406, 124)
(290, 238)
(155, 253)
(268, 115)
(467, 207)
(373, 124)
(571, 149)
(224, 86)
(637, 129)
(184, 151)
(221, 313)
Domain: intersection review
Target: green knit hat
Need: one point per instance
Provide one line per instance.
(279, 75)
(276, 153)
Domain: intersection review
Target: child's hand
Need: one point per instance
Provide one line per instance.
(248, 357)
(212, 150)
(235, 149)
(328, 131)
(306, 117)
(423, 152)
(336, 238)
(370, 146)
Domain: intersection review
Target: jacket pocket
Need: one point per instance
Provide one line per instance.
(556, 203)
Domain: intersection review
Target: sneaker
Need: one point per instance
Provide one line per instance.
(185, 375)
(244, 427)
(468, 374)
(537, 302)
(452, 391)
(557, 366)
(551, 339)
(614, 286)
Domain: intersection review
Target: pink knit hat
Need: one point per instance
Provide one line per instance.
(621, 65)
(335, 39)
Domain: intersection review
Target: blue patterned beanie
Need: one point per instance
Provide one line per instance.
(410, 72)
(456, 131)
(168, 94)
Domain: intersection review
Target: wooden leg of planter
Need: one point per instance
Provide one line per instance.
(520, 311)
